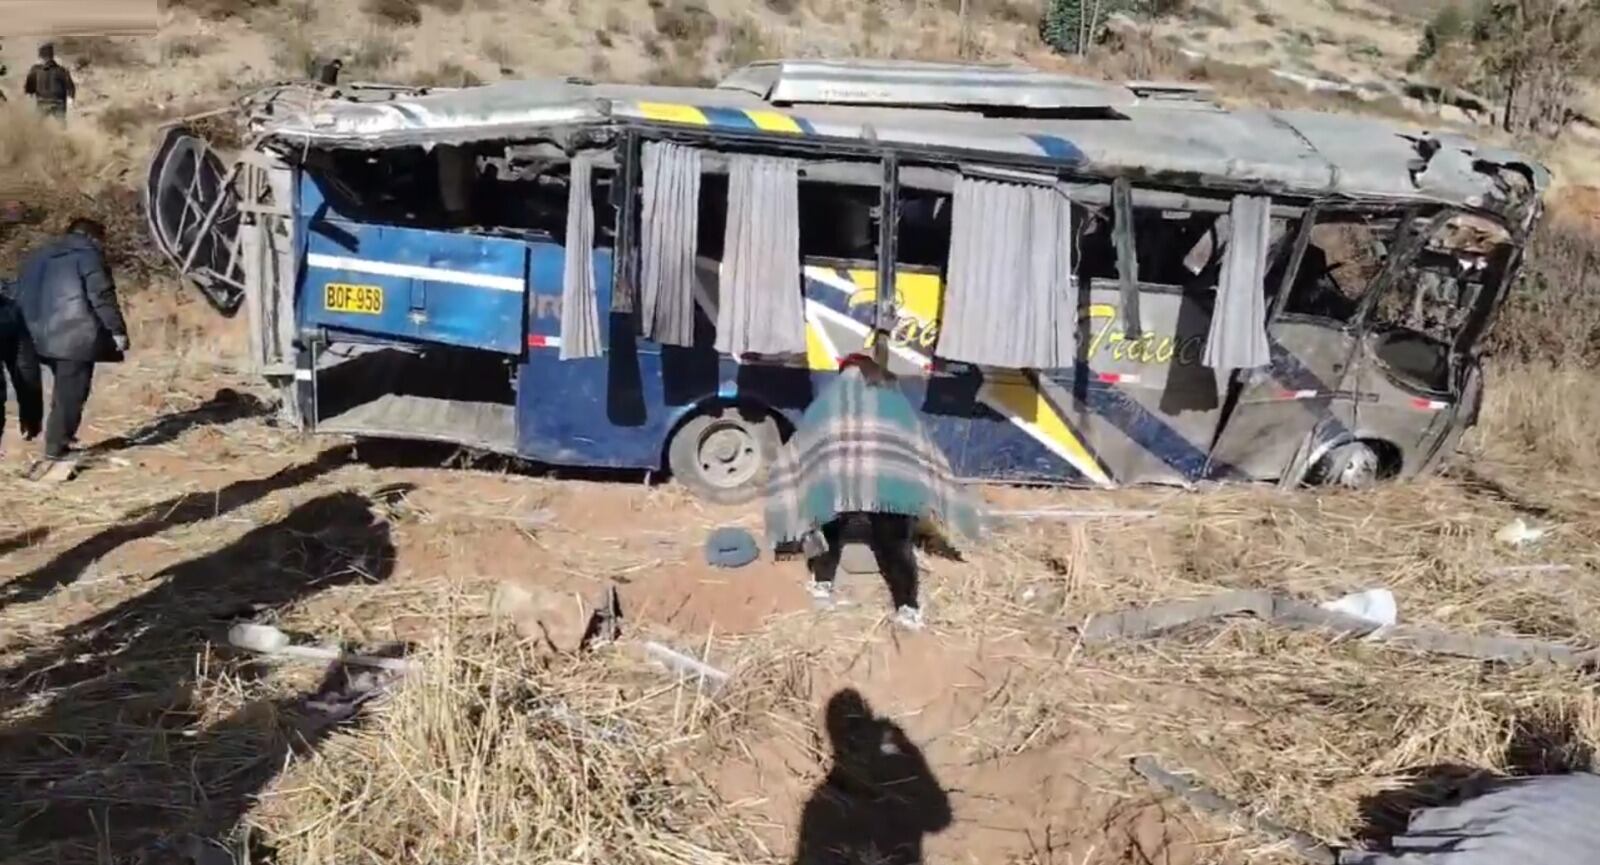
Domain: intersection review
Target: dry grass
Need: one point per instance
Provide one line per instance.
(222, 10)
(447, 74)
(401, 13)
(187, 46)
(100, 52)
(376, 52)
(1553, 314)
(685, 22)
(485, 757)
(493, 753)
(1543, 417)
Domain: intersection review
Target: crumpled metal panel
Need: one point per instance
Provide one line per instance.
(438, 117)
(902, 83)
(1302, 153)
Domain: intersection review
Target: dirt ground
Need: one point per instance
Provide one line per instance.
(131, 732)
(130, 726)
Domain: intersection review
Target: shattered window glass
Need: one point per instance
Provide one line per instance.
(1436, 294)
(1345, 253)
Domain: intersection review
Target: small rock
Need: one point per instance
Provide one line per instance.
(557, 621)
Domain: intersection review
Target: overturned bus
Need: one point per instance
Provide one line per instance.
(1092, 284)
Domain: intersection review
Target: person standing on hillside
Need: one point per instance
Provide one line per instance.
(50, 84)
(69, 304)
(859, 452)
(328, 73)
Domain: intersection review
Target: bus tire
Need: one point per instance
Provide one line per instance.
(1354, 466)
(723, 453)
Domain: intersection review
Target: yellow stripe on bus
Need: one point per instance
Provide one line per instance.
(1026, 406)
(819, 356)
(917, 293)
(772, 121)
(669, 112)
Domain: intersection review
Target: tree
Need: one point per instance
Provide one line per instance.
(1537, 51)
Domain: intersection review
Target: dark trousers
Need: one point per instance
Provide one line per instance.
(20, 369)
(890, 539)
(70, 380)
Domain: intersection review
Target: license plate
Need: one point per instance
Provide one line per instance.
(358, 299)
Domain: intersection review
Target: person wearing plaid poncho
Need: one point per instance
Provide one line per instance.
(860, 450)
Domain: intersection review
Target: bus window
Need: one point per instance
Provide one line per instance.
(1437, 294)
(838, 221)
(1346, 252)
(1178, 250)
(924, 239)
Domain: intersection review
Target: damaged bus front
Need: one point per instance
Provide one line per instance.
(1093, 284)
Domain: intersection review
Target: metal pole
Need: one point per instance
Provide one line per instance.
(888, 233)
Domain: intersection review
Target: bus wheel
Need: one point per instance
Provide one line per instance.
(1352, 466)
(723, 454)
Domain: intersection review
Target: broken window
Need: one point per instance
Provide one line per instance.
(1444, 287)
(501, 188)
(1344, 254)
(1437, 291)
(1177, 249)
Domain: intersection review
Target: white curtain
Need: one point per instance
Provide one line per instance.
(1010, 300)
(1238, 335)
(580, 314)
(760, 308)
(669, 226)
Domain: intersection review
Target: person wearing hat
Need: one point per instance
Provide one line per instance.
(860, 453)
(50, 84)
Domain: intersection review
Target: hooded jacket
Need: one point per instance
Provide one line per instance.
(69, 301)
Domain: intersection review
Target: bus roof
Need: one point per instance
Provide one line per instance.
(1160, 133)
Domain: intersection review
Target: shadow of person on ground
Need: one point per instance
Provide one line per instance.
(880, 798)
(117, 751)
(225, 407)
(68, 567)
(1536, 746)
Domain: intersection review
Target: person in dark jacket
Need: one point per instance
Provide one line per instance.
(329, 73)
(50, 84)
(69, 305)
(18, 363)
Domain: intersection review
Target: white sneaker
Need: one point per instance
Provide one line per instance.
(909, 617)
(821, 594)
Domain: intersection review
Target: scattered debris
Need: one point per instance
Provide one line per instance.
(1518, 533)
(605, 624)
(731, 547)
(267, 640)
(558, 622)
(1150, 621)
(1209, 802)
(583, 728)
(336, 705)
(1374, 605)
(1523, 570)
(1069, 514)
(709, 678)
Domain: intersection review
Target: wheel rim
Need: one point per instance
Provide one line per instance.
(728, 455)
(1360, 469)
